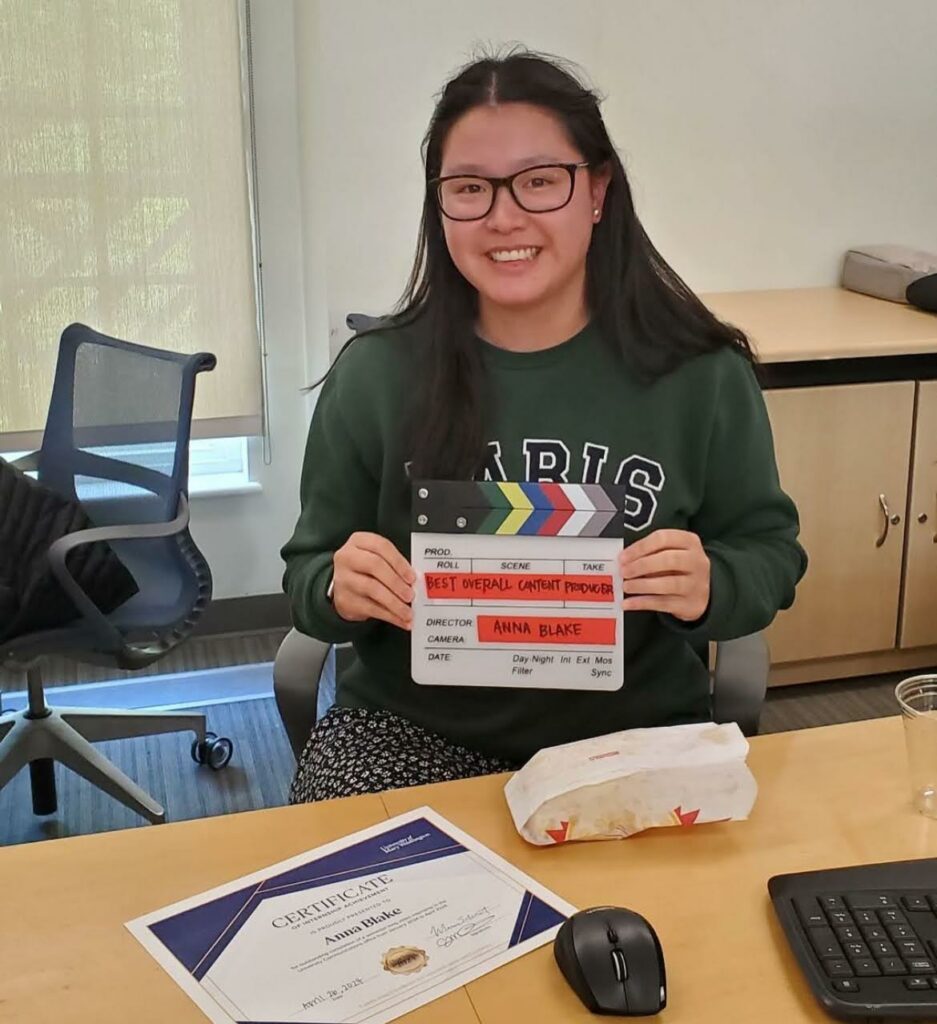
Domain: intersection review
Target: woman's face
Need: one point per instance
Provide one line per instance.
(515, 258)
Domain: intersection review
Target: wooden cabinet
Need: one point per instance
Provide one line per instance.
(919, 607)
(853, 402)
(843, 455)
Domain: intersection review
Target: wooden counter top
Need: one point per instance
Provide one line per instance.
(803, 324)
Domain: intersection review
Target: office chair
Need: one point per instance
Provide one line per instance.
(112, 401)
(739, 683)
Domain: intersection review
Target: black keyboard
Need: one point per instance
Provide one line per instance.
(865, 937)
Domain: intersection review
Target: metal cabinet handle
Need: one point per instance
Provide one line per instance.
(889, 519)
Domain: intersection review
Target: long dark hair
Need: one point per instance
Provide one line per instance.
(639, 303)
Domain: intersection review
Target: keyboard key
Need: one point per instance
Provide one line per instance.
(853, 949)
(919, 966)
(915, 903)
(866, 917)
(888, 964)
(839, 917)
(933, 901)
(868, 901)
(883, 949)
(832, 903)
(865, 967)
(892, 917)
(901, 931)
(851, 985)
(841, 968)
(933, 983)
(911, 948)
(852, 934)
(824, 942)
(808, 910)
(871, 932)
(916, 983)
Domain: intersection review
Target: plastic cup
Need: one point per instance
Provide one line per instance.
(917, 698)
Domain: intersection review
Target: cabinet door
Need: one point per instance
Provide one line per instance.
(842, 452)
(919, 610)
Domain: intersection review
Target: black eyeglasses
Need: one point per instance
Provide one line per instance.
(540, 189)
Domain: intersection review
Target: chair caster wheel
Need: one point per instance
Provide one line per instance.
(215, 751)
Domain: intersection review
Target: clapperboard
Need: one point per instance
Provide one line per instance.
(518, 585)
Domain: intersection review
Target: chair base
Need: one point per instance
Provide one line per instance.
(66, 734)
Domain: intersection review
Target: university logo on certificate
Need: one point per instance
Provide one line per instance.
(518, 584)
(361, 930)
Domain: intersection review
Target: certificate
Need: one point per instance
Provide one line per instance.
(518, 585)
(363, 929)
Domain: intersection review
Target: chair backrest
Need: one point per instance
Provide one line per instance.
(298, 671)
(118, 427)
(359, 322)
(117, 440)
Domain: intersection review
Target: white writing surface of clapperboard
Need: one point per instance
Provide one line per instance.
(518, 585)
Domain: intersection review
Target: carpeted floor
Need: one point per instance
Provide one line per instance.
(258, 776)
(197, 653)
(810, 704)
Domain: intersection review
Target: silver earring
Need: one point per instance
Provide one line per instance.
(595, 213)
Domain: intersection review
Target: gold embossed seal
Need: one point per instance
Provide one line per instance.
(404, 960)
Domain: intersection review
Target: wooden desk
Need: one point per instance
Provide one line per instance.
(807, 324)
(828, 796)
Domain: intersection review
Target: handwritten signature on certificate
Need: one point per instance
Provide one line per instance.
(463, 926)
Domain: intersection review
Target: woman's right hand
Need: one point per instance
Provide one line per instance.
(372, 580)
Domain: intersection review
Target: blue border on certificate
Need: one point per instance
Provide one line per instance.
(197, 937)
(534, 917)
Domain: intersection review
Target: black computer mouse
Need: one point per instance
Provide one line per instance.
(613, 961)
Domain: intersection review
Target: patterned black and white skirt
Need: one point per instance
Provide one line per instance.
(360, 750)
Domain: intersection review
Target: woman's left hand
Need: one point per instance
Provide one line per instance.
(666, 571)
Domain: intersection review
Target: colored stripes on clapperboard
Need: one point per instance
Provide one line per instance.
(518, 509)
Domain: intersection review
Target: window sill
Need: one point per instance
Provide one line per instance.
(219, 489)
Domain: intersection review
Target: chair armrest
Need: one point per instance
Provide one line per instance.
(740, 681)
(59, 550)
(296, 671)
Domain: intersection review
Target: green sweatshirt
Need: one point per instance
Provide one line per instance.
(694, 448)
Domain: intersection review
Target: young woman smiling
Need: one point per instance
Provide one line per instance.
(541, 337)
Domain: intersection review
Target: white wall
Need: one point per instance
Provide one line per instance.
(241, 535)
(762, 138)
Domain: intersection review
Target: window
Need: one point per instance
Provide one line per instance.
(125, 196)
